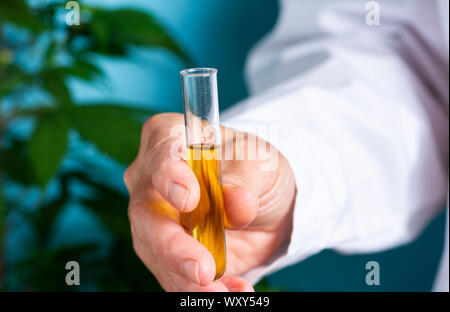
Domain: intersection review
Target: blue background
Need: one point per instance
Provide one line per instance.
(219, 34)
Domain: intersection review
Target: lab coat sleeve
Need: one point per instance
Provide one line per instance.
(367, 139)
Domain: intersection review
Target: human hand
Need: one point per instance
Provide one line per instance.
(258, 211)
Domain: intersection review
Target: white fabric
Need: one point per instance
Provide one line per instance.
(362, 117)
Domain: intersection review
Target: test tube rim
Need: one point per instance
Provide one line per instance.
(198, 71)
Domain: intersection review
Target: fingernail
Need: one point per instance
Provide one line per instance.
(178, 195)
(190, 269)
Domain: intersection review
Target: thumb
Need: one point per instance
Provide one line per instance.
(244, 187)
(241, 206)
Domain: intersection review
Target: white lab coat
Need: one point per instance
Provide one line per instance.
(362, 117)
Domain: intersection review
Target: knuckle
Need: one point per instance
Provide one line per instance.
(156, 133)
(150, 128)
(150, 122)
(127, 178)
(162, 119)
(157, 149)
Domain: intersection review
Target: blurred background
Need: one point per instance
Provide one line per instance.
(72, 101)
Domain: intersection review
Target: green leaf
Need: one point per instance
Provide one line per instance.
(84, 70)
(115, 130)
(18, 12)
(39, 109)
(16, 164)
(112, 32)
(54, 82)
(137, 28)
(48, 145)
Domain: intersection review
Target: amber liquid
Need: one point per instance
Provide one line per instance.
(206, 222)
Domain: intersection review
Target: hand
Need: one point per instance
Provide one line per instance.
(258, 209)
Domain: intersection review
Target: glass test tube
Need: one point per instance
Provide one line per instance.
(201, 113)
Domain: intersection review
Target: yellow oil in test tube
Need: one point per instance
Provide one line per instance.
(206, 222)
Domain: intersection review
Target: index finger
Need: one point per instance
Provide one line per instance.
(169, 173)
